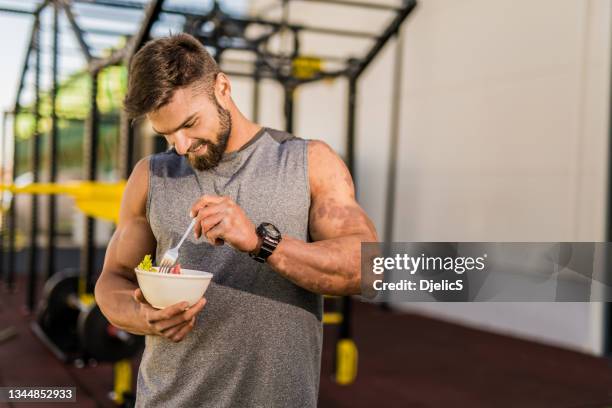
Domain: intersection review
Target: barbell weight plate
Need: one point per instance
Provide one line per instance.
(56, 291)
(55, 317)
(99, 342)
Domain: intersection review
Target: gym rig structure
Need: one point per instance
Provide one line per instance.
(69, 293)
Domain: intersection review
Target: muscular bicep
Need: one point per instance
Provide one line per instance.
(334, 212)
(133, 238)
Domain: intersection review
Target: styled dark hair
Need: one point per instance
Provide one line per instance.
(164, 65)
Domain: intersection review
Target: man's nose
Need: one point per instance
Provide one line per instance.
(181, 143)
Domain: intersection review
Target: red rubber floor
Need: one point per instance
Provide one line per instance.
(404, 361)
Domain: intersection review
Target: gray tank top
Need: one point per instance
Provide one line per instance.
(257, 342)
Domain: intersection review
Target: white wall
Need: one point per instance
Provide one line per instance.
(503, 136)
(505, 139)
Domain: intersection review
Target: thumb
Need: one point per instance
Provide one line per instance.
(139, 297)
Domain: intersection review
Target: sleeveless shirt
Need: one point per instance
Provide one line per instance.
(257, 342)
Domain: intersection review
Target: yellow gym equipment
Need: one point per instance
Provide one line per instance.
(95, 199)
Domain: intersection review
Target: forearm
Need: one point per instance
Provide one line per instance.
(114, 296)
(330, 267)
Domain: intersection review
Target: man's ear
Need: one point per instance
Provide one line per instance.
(223, 90)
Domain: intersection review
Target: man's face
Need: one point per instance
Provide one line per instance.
(196, 125)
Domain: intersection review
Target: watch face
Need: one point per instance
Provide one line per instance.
(270, 230)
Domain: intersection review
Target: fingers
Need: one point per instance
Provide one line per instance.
(206, 225)
(168, 312)
(207, 218)
(215, 234)
(180, 318)
(180, 335)
(170, 332)
(204, 201)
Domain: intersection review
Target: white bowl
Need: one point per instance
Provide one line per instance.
(165, 289)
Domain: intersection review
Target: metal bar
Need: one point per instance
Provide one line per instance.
(338, 32)
(134, 5)
(26, 64)
(126, 146)
(12, 220)
(384, 7)
(289, 105)
(115, 58)
(33, 254)
(301, 27)
(16, 11)
(387, 34)
(394, 142)
(392, 163)
(275, 24)
(249, 74)
(607, 312)
(126, 131)
(256, 94)
(350, 127)
(151, 14)
(12, 227)
(3, 181)
(78, 33)
(344, 330)
(42, 6)
(12, 217)
(53, 142)
(90, 163)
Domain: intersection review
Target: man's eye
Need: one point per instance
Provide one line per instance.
(188, 126)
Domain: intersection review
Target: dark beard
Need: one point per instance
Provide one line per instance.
(214, 151)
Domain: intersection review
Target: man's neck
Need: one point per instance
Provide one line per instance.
(242, 131)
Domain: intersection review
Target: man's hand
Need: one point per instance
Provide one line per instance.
(173, 322)
(221, 219)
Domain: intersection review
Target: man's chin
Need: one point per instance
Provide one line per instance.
(199, 164)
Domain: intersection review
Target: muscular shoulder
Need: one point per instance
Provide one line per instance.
(136, 190)
(327, 171)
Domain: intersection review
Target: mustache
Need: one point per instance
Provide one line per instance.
(197, 146)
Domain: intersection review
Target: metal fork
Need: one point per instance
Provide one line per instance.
(171, 255)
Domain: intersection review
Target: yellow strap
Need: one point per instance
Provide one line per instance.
(96, 199)
(306, 67)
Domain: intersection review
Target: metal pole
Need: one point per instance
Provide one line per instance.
(2, 181)
(126, 131)
(256, 93)
(391, 30)
(393, 150)
(394, 142)
(12, 217)
(350, 127)
(345, 325)
(356, 4)
(16, 11)
(90, 163)
(51, 215)
(78, 33)
(607, 312)
(289, 105)
(126, 146)
(35, 142)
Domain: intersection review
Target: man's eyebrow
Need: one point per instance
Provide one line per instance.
(189, 118)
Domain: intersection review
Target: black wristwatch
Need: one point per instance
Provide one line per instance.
(270, 237)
